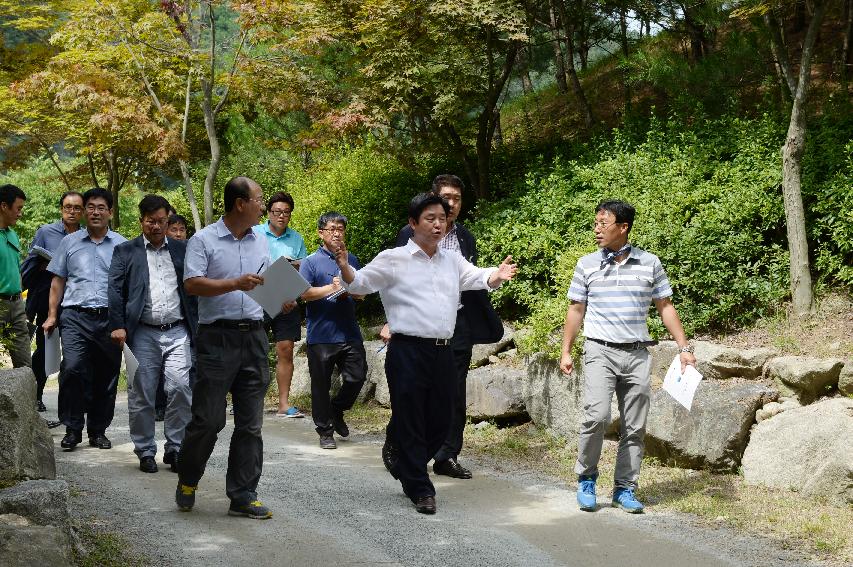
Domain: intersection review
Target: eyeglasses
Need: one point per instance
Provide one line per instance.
(99, 208)
(72, 208)
(602, 225)
(334, 230)
(279, 213)
(156, 222)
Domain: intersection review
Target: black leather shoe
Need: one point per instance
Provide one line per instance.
(171, 459)
(389, 458)
(425, 505)
(451, 467)
(148, 464)
(40, 407)
(100, 441)
(340, 426)
(71, 440)
(53, 424)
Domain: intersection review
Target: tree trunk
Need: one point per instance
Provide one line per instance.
(113, 186)
(696, 35)
(215, 155)
(846, 54)
(623, 36)
(560, 74)
(577, 89)
(792, 153)
(524, 70)
(185, 168)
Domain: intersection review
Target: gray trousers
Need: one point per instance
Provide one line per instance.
(167, 354)
(235, 361)
(625, 372)
(15, 333)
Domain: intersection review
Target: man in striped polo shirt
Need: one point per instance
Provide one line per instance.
(610, 293)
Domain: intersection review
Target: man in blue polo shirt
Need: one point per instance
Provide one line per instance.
(334, 338)
(610, 294)
(286, 327)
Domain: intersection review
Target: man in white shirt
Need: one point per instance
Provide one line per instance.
(419, 284)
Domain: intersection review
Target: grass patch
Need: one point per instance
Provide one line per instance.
(103, 548)
(369, 418)
(790, 519)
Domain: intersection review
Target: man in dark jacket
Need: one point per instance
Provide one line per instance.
(476, 323)
(151, 312)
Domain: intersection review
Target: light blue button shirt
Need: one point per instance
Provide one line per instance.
(85, 265)
(214, 253)
(290, 243)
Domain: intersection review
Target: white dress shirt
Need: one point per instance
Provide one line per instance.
(162, 302)
(420, 294)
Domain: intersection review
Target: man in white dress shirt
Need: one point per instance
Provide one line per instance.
(419, 284)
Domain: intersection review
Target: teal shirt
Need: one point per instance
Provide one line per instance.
(10, 262)
(289, 244)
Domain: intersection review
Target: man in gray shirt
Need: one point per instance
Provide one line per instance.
(223, 260)
(88, 375)
(610, 293)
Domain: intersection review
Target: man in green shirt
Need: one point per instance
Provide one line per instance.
(13, 317)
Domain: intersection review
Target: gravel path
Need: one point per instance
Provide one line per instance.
(342, 508)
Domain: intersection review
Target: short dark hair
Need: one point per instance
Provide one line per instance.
(236, 188)
(331, 216)
(446, 179)
(69, 194)
(423, 200)
(175, 218)
(624, 212)
(10, 193)
(152, 203)
(96, 193)
(280, 197)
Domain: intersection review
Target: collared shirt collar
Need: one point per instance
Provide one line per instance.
(147, 243)
(107, 236)
(222, 229)
(413, 249)
(269, 231)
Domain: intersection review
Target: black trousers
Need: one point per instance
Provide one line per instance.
(421, 381)
(461, 346)
(38, 355)
(351, 361)
(235, 361)
(88, 374)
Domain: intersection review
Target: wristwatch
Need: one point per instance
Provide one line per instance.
(688, 348)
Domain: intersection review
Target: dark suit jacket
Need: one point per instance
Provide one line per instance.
(483, 321)
(128, 285)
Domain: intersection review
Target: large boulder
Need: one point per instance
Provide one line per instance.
(845, 379)
(808, 449)
(42, 502)
(24, 544)
(480, 354)
(26, 446)
(300, 385)
(495, 391)
(555, 401)
(806, 378)
(713, 361)
(714, 433)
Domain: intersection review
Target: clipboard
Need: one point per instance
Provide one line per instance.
(282, 283)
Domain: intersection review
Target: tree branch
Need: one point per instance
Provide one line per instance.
(243, 37)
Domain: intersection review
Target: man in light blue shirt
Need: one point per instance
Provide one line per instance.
(286, 327)
(88, 375)
(223, 260)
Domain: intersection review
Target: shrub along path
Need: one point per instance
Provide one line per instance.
(341, 507)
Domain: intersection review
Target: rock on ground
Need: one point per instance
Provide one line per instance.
(301, 383)
(808, 449)
(26, 447)
(714, 433)
(480, 354)
(714, 362)
(42, 502)
(845, 379)
(806, 378)
(23, 544)
(495, 391)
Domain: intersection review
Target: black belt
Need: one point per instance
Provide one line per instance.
(237, 324)
(89, 310)
(164, 327)
(625, 346)
(421, 340)
(10, 297)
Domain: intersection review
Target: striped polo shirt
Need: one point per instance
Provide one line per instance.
(618, 297)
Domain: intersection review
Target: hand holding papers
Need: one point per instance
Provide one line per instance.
(681, 387)
(282, 284)
(51, 353)
(130, 363)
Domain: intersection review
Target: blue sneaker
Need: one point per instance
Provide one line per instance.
(624, 498)
(586, 493)
(292, 411)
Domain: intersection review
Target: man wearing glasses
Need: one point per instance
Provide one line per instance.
(610, 294)
(88, 375)
(36, 279)
(286, 327)
(152, 313)
(334, 337)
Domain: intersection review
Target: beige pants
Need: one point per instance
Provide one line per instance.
(14, 333)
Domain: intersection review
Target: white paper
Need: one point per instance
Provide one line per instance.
(682, 387)
(282, 283)
(130, 364)
(52, 352)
